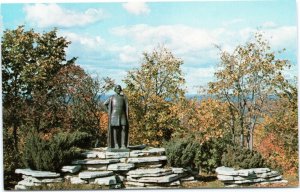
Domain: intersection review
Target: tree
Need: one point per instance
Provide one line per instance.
(29, 61)
(246, 80)
(152, 90)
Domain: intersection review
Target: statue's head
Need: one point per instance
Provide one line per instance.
(118, 89)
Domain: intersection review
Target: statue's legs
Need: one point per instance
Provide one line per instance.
(116, 144)
(123, 137)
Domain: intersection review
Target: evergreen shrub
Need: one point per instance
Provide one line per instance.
(52, 154)
(211, 153)
(242, 158)
(188, 152)
(182, 152)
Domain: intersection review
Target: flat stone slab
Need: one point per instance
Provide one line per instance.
(106, 180)
(77, 180)
(120, 167)
(95, 161)
(146, 159)
(34, 173)
(71, 168)
(147, 152)
(116, 155)
(161, 179)
(95, 167)
(94, 154)
(42, 180)
(241, 172)
(225, 177)
(189, 178)
(156, 172)
(178, 170)
(268, 174)
(20, 187)
(28, 183)
(226, 171)
(94, 174)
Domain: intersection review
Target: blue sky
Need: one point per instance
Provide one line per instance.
(109, 38)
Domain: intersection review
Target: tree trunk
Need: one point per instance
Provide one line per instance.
(251, 139)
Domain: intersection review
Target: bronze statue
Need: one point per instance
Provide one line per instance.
(117, 106)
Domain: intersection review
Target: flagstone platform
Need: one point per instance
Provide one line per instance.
(134, 169)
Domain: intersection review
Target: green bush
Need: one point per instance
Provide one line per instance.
(187, 152)
(211, 152)
(242, 158)
(52, 154)
(182, 152)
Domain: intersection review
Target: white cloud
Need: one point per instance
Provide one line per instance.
(136, 7)
(232, 22)
(46, 15)
(196, 45)
(269, 24)
(85, 40)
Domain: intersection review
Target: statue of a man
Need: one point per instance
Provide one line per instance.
(117, 106)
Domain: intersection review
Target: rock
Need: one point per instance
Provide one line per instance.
(189, 178)
(261, 170)
(226, 171)
(161, 179)
(175, 183)
(28, 183)
(95, 162)
(34, 173)
(247, 181)
(120, 167)
(156, 172)
(225, 178)
(95, 167)
(268, 174)
(71, 169)
(275, 178)
(106, 180)
(94, 154)
(147, 152)
(245, 172)
(94, 174)
(20, 187)
(123, 160)
(147, 159)
(129, 183)
(178, 170)
(274, 182)
(155, 165)
(232, 185)
(77, 180)
(42, 180)
(116, 155)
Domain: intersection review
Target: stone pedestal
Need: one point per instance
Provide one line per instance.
(140, 168)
